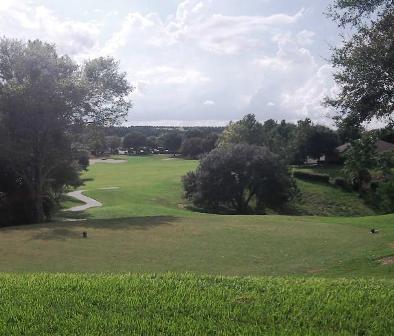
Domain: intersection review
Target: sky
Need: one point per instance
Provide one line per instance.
(196, 62)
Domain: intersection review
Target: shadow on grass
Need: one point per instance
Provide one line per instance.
(73, 230)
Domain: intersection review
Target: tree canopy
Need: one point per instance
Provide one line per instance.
(247, 131)
(364, 63)
(43, 97)
(233, 176)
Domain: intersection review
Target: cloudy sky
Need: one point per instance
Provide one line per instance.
(196, 62)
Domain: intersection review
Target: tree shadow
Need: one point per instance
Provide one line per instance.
(62, 231)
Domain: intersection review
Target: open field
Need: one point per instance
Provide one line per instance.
(193, 305)
(144, 227)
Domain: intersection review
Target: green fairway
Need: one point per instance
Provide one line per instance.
(223, 245)
(148, 186)
(193, 305)
(144, 227)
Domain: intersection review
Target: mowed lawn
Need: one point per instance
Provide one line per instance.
(145, 227)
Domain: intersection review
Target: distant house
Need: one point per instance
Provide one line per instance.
(122, 152)
(381, 147)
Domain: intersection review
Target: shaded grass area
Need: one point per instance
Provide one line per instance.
(331, 170)
(327, 200)
(207, 244)
(43, 304)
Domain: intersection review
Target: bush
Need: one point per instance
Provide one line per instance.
(385, 196)
(303, 175)
(235, 176)
(341, 182)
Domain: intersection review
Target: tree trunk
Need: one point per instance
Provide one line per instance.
(38, 215)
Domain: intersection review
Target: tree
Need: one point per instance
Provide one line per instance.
(192, 147)
(321, 141)
(134, 140)
(96, 140)
(247, 130)
(313, 141)
(279, 137)
(364, 63)
(360, 158)
(232, 176)
(43, 96)
(171, 141)
(113, 143)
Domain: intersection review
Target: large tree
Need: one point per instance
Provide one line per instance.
(364, 63)
(43, 97)
(134, 140)
(233, 176)
(247, 131)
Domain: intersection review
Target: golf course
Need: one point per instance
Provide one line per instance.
(144, 226)
(150, 265)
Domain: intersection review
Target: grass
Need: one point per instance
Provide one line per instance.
(332, 170)
(328, 200)
(324, 273)
(220, 245)
(44, 304)
(144, 227)
(150, 186)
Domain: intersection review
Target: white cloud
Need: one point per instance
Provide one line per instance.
(257, 62)
(25, 21)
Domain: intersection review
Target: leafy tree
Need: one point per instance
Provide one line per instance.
(113, 143)
(152, 141)
(321, 141)
(247, 130)
(364, 63)
(172, 141)
(234, 175)
(134, 140)
(360, 159)
(279, 138)
(192, 147)
(96, 140)
(313, 141)
(43, 96)
(209, 142)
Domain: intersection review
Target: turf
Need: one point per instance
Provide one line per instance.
(145, 227)
(42, 304)
(150, 186)
(208, 244)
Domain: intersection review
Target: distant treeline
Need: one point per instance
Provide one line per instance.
(122, 131)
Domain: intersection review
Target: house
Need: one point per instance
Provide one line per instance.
(381, 147)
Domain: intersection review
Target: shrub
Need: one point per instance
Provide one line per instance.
(385, 196)
(303, 175)
(341, 182)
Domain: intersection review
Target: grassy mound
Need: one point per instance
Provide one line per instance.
(42, 304)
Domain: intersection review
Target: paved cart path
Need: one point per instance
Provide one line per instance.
(89, 202)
